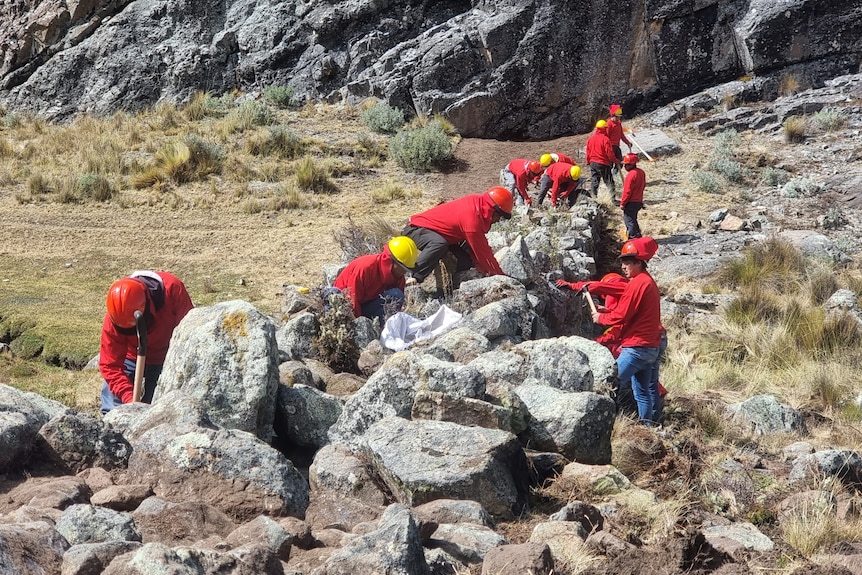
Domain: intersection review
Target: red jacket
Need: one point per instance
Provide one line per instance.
(615, 132)
(116, 347)
(633, 188)
(562, 158)
(599, 149)
(638, 312)
(367, 277)
(520, 168)
(464, 219)
(560, 175)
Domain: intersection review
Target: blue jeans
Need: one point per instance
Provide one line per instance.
(658, 407)
(635, 366)
(393, 298)
(151, 377)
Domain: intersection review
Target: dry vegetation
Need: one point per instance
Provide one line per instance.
(237, 199)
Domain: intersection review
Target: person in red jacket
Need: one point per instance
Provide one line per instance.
(459, 226)
(554, 157)
(374, 281)
(163, 301)
(517, 175)
(600, 157)
(639, 315)
(632, 200)
(615, 130)
(563, 180)
(611, 288)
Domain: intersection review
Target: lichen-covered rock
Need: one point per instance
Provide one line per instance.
(31, 548)
(394, 548)
(76, 441)
(578, 425)
(225, 356)
(22, 414)
(765, 415)
(425, 460)
(90, 524)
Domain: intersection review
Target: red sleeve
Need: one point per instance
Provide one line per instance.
(604, 289)
(624, 139)
(484, 257)
(112, 353)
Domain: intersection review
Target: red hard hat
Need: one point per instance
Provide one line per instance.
(125, 297)
(630, 159)
(612, 278)
(502, 199)
(640, 248)
(535, 167)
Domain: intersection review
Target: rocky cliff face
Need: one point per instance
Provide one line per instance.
(500, 69)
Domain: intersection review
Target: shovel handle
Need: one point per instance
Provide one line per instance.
(141, 326)
(589, 299)
(139, 378)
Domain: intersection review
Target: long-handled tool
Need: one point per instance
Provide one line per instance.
(589, 299)
(635, 142)
(141, 327)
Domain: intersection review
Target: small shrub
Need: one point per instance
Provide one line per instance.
(278, 140)
(355, 240)
(206, 157)
(799, 187)
(37, 184)
(11, 120)
(774, 176)
(705, 182)
(279, 96)
(795, 128)
(421, 149)
(248, 115)
(725, 143)
(313, 176)
(388, 193)
(251, 206)
(336, 345)
(788, 85)
(732, 170)
(6, 150)
(203, 105)
(772, 264)
(383, 118)
(286, 198)
(829, 120)
(95, 187)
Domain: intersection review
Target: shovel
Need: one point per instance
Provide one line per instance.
(141, 327)
(644, 152)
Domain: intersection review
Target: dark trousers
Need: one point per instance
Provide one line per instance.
(630, 217)
(600, 172)
(570, 191)
(432, 248)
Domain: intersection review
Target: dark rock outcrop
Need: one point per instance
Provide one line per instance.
(496, 68)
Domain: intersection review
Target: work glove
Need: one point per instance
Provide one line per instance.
(565, 284)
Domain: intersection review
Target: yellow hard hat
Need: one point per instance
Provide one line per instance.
(545, 160)
(601, 124)
(404, 250)
(575, 172)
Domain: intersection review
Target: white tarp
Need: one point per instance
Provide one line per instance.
(403, 330)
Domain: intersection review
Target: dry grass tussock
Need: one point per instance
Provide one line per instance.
(776, 337)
